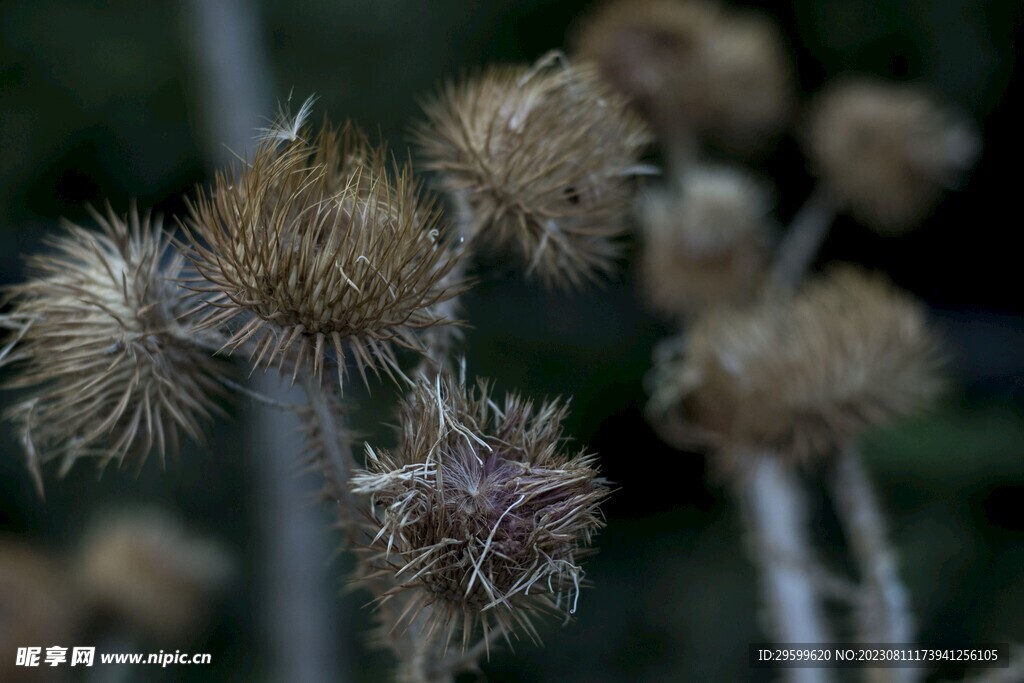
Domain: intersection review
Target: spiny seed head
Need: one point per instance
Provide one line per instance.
(481, 514)
(703, 240)
(313, 253)
(111, 371)
(887, 150)
(801, 374)
(694, 67)
(538, 160)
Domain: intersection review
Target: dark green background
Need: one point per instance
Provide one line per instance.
(101, 101)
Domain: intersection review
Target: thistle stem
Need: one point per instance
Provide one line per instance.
(884, 615)
(803, 239)
(335, 446)
(775, 515)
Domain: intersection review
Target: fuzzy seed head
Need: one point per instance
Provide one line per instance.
(888, 150)
(111, 371)
(693, 67)
(481, 515)
(538, 160)
(801, 374)
(703, 241)
(313, 253)
(149, 573)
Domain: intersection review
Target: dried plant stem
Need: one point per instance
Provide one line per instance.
(335, 451)
(804, 238)
(441, 340)
(236, 90)
(883, 615)
(301, 627)
(775, 512)
(425, 660)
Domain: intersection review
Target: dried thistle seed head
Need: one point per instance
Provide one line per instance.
(149, 573)
(887, 150)
(802, 374)
(703, 241)
(538, 160)
(694, 67)
(37, 607)
(481, 515)
(111, 371)
(313, 253)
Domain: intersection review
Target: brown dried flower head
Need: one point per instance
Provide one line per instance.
(149, 573)
(111, 371)
(694, 67)
(888, 150)
(801, 374)
(538, 160)
(481, 514)
(37, 608)
(703, 241)
(314, 253)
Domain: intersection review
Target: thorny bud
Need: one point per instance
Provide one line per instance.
(97, 340)
(801, 374)
(312, 253)
(703, 241)
(888, 150)
(538, 160)
(147, 572)
(481, 514)
(693, 67)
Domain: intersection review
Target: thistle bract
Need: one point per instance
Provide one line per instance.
(538, 160)
(110, 369)
(314, 253)
(481, 515)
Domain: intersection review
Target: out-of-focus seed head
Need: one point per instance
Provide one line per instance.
(801, 374)
(37, 608)
(313, 253)
(147, 572)
(703, 241)
(538, 160)
(888, 150)
(111, 372)
(481, 514)
(694, 67)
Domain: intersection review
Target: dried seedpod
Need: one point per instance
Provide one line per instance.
(694, 68)
(481, 515)
(111, 370)
(887, 150)
(313, 254)
(800, 374)
(704, 241)
(538, 160)
(145, 571)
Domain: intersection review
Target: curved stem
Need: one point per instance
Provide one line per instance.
(803, 239)
(884, 615)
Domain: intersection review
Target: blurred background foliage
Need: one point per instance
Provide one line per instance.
(102, 101)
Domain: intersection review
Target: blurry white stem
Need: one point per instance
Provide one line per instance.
(775, 512)
(884, 613)
(803, 239)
